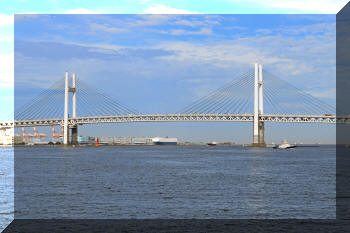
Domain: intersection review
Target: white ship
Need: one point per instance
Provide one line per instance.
(164, 141)
(285, 145)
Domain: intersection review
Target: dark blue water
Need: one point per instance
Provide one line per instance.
(6, 186)
(174, 182)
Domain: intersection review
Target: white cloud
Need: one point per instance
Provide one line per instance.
(222, 54)
(321, 6)
(95, 26)
(308, 57)
(81, 11)
(308, 29)
(329, 94)
(6, 98)
(138, 20)
(6, 20)
(20, 17)
(162, 9)
(202, 31)
(6, 70)
(195, 22)
(172, 19)
(6, 38)
(325, 6)
(306, 60)
(190, 23)
(264, 31)
(103, 47)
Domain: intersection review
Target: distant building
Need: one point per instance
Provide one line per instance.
(116, 140)
(142, 140)
(18, 140)
(128, 140)
(7, 136)
(125, 140)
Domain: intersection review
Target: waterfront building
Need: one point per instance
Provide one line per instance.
(7, 136)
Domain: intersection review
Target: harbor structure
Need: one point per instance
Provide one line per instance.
(164, 141)
(128, 140)
(258, 125)
(66, 126)
(209, 108)
(7, 136)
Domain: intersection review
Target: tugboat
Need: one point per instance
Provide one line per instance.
(285, 145)
(213, 143)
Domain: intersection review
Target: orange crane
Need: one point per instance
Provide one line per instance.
(26, 135)
(54, 132)
(37, 134)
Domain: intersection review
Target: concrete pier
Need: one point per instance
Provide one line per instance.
(65, 117)
(74, 135)
(258, 127)
(66, 127)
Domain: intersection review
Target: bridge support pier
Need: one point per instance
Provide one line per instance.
(74, 110)
(261, 134)
(65, 121)
(68, 89)
(258, 126)
(75, 135)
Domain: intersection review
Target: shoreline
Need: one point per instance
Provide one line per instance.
(268, 146)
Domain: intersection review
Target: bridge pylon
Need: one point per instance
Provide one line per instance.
(66, 125)
(258, 126)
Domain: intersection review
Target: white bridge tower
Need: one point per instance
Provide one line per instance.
(66, 125)
(258, 126)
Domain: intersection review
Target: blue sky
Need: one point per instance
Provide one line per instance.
(168, 6)
(194, 54)
(176, 58)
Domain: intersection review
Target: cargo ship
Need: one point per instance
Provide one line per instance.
(213, 143)
(164, 141)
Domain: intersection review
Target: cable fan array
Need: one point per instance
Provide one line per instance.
(280, 97)
(236, 97)
(93, 102)
(49, 103)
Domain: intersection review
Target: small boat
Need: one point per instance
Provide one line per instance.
(285, 145)
(213, 143)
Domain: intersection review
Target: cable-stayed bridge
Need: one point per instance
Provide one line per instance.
(254, 96)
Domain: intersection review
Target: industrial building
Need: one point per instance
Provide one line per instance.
(7, 137)
(125, 140)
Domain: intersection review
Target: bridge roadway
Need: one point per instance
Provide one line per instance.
(179, 118)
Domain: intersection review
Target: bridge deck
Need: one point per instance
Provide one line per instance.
(180, 118)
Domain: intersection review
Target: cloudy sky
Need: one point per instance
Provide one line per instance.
(161, 63)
